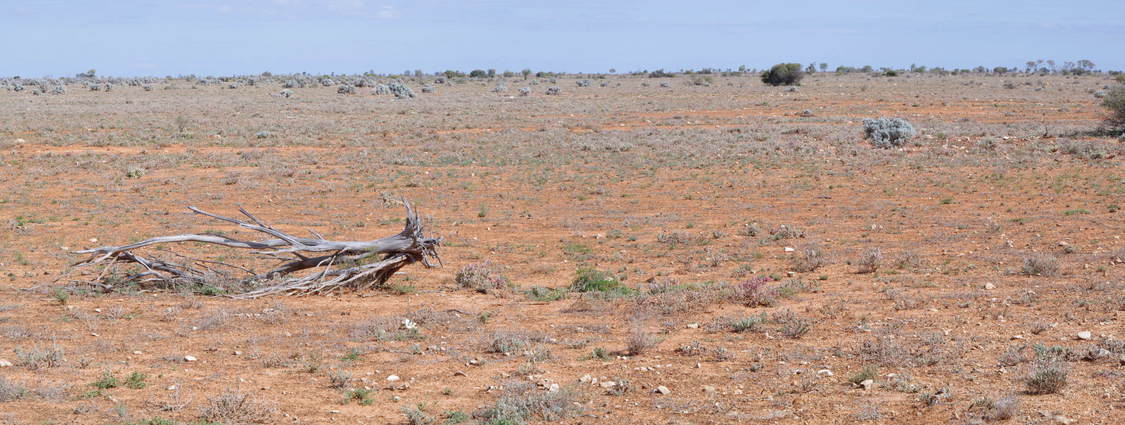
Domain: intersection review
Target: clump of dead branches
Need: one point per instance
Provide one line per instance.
(305, 266)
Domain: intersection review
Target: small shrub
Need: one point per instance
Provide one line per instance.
(597, 281)
(811, 258)
(399, 89)
(345, 89)
(1040, 265)
(484, 278)
(755, 293)
(1115, 102)
(40, 357)
(888, 132)
(234, 408)
(870, 260)
(748, 324)
(416, 416)
(136, 381)
(995, 410)
(106, 382)
(794, 328)
(359, 395)
(787, 74)
(339, 378)
(554, 90)
(522, 401)
(9, 391)
(640, 342)
(1047, 377)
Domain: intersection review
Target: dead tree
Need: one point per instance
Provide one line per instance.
(331, 265)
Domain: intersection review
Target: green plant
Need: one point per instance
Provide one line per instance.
(62, 296)
(598, 353)
(360, 395)
(783, 74)
(106, 382)
(352, 355)
(591, 280)
(136, 380)
(1115, 102)
(748, 324)
(455, 417)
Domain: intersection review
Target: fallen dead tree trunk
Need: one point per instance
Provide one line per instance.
(330, 265)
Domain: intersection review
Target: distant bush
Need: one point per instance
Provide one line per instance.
(583, 83)
(345, 89)
(786, 74)
(59, 90)
(888, 132)
(381, 89)
(478, 73)
(427, 89)
(524, 91)
(400, 90)
(1115, 102)
(660, 74)
(285, 93)
(554, 90)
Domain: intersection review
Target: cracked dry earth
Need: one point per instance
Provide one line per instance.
(745, 260)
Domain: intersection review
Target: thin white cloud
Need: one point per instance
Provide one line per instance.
(387, 12)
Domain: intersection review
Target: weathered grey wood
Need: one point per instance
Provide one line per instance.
(408, 246)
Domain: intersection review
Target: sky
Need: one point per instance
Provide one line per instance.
(235, 37)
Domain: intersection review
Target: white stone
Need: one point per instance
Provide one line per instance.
(5, 363)
(190, 358)
(1085, 335)
(393, 378)
(824, 372)
(662, 390)
(989, 285)
(867, 384)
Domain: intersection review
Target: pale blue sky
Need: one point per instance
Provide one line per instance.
(223, 37)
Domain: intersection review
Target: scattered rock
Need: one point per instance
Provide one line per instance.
(5, 363)
(190, 358)
(393, 378)
(709, 389)
(1085, 335)
(1063, 420)
(608, 384)
(790, 249)
(867, 384)
(989, 286)
(662, 390)
(824, 372)
(693, 326)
